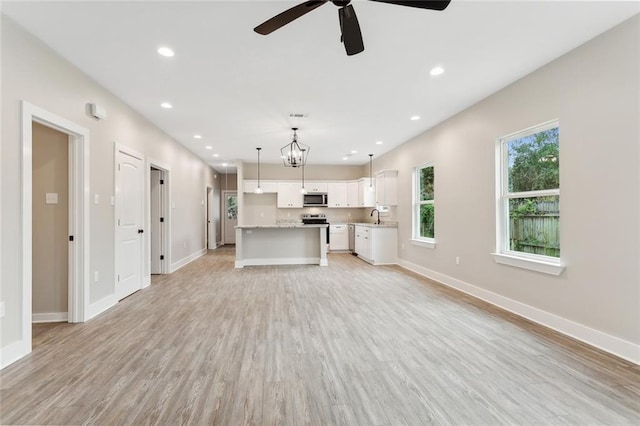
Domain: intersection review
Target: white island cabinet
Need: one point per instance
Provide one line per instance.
(377, 244)
(287, 244)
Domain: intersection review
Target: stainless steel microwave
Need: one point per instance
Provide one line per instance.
(315, 199)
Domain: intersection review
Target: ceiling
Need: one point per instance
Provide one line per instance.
(237, 89)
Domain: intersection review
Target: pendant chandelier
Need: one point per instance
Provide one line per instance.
(294, 154)
(258, 190)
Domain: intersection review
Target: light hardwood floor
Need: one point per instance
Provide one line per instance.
(348, 344)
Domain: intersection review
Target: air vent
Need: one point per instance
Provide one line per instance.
(298, 115)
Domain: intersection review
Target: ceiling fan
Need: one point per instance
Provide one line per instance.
(349, 27)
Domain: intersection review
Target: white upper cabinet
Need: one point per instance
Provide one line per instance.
(337, 194)
(387, 188)
(268, 186)
(313, 186)
(366, 197)
(352, 194)
(289, 195)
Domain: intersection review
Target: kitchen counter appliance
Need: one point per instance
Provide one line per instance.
(316, 219)
(352, 238)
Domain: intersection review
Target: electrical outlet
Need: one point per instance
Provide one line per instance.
(261, 214)
(96, 276)
(1, 309)
(402, 246)
(96, 199)
(457, 260)
(184, 244)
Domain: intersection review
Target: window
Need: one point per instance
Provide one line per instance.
(424, 206)
(529, 199)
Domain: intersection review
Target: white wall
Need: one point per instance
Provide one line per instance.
(33, 73)
(594, 92)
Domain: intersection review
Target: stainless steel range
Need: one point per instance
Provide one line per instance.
(315, 219)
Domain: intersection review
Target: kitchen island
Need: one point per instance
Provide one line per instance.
(283, 244)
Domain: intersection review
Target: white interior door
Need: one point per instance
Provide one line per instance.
(129, 223)
(211, 226)
(230, 216)
(155, 212)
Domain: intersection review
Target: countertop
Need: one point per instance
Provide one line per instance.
(282, 225)
(373, 225)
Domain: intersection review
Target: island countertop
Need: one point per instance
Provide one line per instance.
(284, 225)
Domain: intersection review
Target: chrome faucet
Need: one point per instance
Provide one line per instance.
(378, 211)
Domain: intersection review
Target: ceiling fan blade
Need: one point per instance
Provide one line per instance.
(422, 4)
(282, 19)
(351, 35)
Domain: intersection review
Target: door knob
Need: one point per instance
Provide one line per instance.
(140, 231)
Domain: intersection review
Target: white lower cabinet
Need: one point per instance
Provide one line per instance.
(363, 244)
(377, 245)
(338, 237)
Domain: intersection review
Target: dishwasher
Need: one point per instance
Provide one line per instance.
(352, 238)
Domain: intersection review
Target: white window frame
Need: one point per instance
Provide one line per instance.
(416, 238)
(503, 255)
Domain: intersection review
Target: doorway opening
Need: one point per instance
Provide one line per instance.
(51, 186)
(77, 229)
(229, 216)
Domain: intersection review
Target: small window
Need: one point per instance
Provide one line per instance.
(424, 205)
(529, 194)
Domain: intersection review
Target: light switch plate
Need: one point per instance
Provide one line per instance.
(96, 199)
(51, 198)
(1, 309)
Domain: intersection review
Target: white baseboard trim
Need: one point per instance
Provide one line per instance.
(180, 263)
(13, 352)
(101, 305)
(50, 317)
(612, 344)
(279, 261)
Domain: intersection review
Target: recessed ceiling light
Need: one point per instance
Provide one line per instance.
(166, 105)
(436, 70)
(379, 143)
(224, 164)
(415, 118)
(345, 158)
(216, 155)
(354, 152)
(197, 136)
(208, 147)
(165, 51)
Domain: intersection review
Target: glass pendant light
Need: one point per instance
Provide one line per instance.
(303, 190)
(258, 190)
(371, 188)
